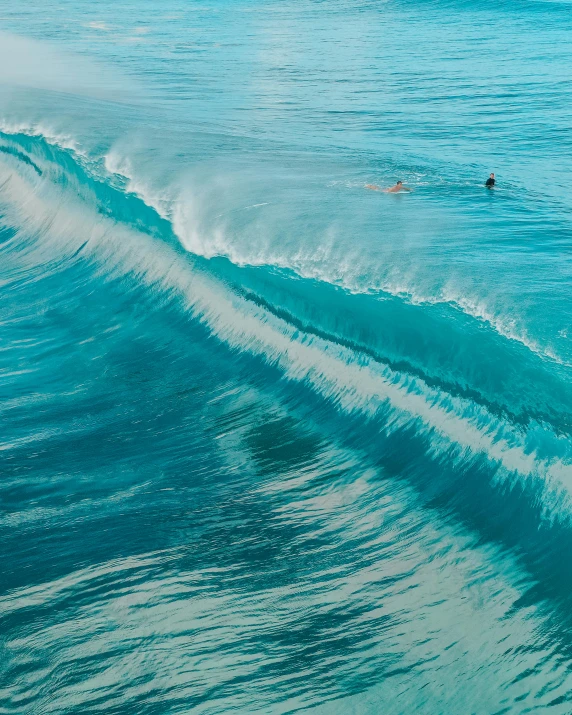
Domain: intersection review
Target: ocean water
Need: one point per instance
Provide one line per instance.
(271, 442)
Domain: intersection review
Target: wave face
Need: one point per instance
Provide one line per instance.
(271, 442)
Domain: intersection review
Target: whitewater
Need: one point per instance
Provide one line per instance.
(272, 442)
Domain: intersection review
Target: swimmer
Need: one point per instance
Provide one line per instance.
(391, 190)
(490, 182)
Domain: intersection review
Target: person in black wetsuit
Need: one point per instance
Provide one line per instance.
(490, 182)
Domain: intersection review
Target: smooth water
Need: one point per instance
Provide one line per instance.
(272, 442)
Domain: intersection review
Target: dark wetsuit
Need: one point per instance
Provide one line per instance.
(490, 183)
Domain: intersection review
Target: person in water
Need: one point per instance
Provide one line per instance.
(490, 182)
(391, 190)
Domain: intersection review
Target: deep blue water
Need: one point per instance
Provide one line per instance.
(271, 442)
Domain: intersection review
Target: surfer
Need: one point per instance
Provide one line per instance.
(390, 190)
(490, 182)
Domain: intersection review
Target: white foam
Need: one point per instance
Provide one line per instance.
(183, 209)
(42, 131)
(118, 165)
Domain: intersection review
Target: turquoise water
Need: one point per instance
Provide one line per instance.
(272, 442)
